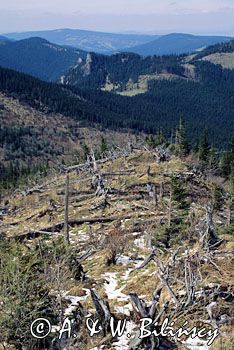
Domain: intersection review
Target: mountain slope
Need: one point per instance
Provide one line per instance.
(34, 138)
(3, 38)
(205, 103)
(225, 47)
(122, 249)
(176, 44)
(222, 54)
(98, 71)
(130, 74)
(105, 43)
(53, 98)
(167, 87)
(38, 57)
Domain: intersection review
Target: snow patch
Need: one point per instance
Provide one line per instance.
(74, 302)
(196, 344)
(124, 260)
(111, 287)
(123, 342)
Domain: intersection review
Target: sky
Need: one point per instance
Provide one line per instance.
(141, 16)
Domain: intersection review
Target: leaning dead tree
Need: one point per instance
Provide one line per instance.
(109, 156)
(209, 238)
(151, 189)
(66, 211)
(230, 210)
(75, 264)
(163, 155)
(103, 311)
(101, 191)
(154, 313)
(170, 210)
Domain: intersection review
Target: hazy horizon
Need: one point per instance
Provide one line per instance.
(121, 32)
(203, 17)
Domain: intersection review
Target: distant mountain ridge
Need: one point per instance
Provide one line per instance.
(105, 43)
(109, 43)
(38, 57)
(3, 38)
(177, 43)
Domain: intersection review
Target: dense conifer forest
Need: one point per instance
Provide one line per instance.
(207, 103)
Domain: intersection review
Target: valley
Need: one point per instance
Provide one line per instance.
(116, 190)
(32, 143)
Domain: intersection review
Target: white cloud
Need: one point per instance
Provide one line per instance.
(119, 6)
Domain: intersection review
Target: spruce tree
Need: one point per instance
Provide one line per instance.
(218, 199)
(181, 138)
(204, 148)
(160, 138)
(227, 160)
(179, 194)
(104, 146)
(86, 151)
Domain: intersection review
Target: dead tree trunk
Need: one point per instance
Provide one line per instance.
(209, 238)
(155, 198)
(130, 147)
(153, 194)
(66, 211)
(149, 239)
(161, 192)
(155, 313)
(230, 208)
(169, 210)
(103, 310)
(95, 169)
(148, 171)
(189, 283)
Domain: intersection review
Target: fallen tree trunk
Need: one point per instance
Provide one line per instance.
(74, 193)
(59, 227)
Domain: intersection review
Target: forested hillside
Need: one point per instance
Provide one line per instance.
(38, 57)
(205, 100)
(34, 141)
(206, 103)
(98, 70)
(221, 54)
(226, 47)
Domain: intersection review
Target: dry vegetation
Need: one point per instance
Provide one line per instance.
(56, 138)
(225, 59)
(116, 219)
(141, 86)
